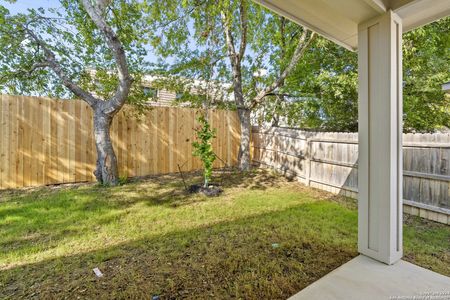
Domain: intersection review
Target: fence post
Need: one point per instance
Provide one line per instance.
(308, 162)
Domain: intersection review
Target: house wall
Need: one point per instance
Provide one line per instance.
(164, 98)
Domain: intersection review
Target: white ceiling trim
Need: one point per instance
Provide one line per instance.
(378, 5)
(297, 20)
(336, 24)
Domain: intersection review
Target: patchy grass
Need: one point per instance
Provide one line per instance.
(264, 237)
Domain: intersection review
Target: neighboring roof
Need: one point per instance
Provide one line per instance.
(446, 87)
(338, 20)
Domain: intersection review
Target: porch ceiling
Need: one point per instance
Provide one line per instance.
(338, 20)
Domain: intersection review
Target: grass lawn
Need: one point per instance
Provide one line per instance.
(264, 238)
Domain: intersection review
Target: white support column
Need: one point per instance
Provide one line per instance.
(380, 138)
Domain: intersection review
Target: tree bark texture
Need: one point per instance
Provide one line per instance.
(106, 171)
(244, 148)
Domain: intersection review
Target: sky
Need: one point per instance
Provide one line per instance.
(23, 5)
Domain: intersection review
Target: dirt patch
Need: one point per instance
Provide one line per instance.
(213, 190)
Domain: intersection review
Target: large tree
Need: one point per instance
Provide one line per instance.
(426, 66)
(234, 41)
(85, 48)
(324, 94)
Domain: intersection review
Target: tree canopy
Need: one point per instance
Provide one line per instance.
(191, 35)
(236, 41)
(324, 84)
(78, 46)
(91, 49)
(321, 93)
(426, 66)
(190, 41)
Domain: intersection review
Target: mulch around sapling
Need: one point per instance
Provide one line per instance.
(213, 190)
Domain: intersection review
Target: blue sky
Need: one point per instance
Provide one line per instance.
(23, 5)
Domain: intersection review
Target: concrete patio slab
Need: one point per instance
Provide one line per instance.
(365, 278)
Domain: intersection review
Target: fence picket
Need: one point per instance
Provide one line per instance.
(45, 141)
(331, 162)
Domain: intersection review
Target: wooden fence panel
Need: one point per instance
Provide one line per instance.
(45, 141)
(329, 161)
(426, 166)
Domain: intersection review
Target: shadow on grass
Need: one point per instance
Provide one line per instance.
(271, 255)
(268, 256)
(50, 218)
(51, 214)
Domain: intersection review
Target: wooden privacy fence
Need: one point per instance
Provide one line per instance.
(45, 141)
(329, 161)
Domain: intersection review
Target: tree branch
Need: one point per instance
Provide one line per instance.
(54, 65)
(36, 66)
(182, 15)
(114, 44)
(228, 37)
(29, 71)
(244, 28)
(235, 62)
(282, 36)
(302, 46)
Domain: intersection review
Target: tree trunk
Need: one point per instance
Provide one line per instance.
(244, 149)
(106, 169)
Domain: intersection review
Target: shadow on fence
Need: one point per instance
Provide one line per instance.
(46, 141)
(329, 161)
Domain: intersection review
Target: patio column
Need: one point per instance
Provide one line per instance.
(380, 138)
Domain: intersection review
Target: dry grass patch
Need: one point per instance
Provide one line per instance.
(264, 237)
